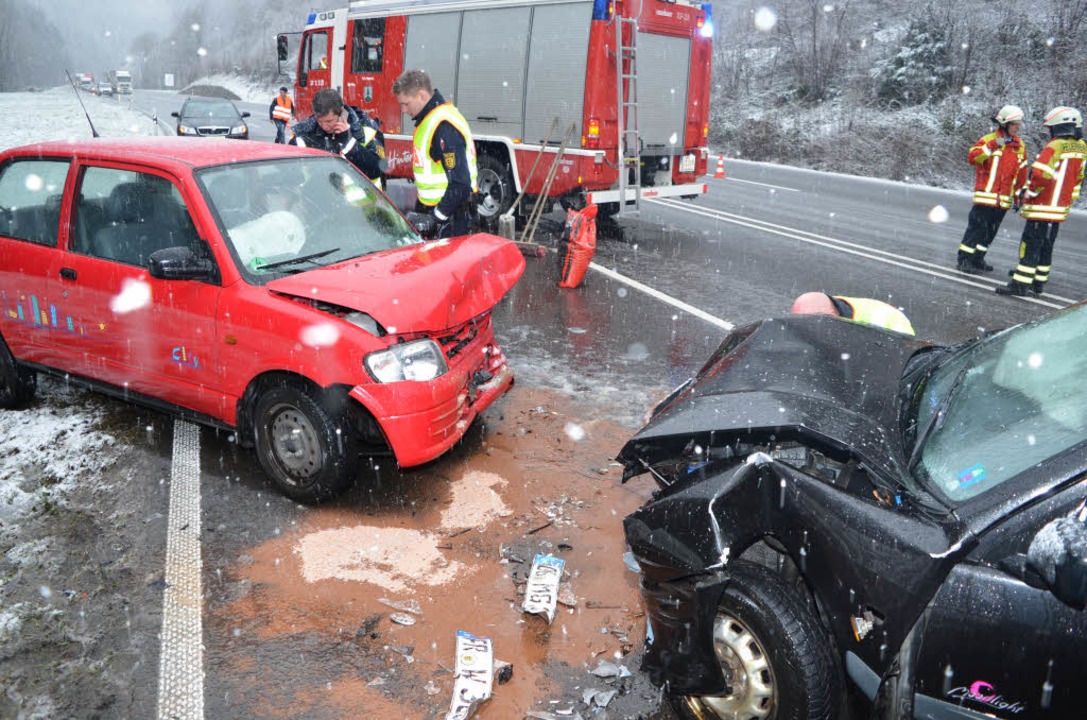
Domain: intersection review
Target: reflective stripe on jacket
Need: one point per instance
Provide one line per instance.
(283, 109)
(430, 178)
(1000, 170)
(877, 313)
(1055, 180)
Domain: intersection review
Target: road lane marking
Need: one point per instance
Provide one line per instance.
(654, 293)
(181, 657)
(902, 261)
(765, 185)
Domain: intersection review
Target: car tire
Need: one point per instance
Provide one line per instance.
(307, 450)
(496, 190)
(774, 652)
(17, 385)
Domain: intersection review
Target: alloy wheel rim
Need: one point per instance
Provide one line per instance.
(489, 183)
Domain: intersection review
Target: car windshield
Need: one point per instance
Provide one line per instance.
(209, 109)
(1003, 405)
(296, 214)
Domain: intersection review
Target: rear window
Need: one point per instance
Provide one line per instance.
(31, 192)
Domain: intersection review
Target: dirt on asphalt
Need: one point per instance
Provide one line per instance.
(453, 553)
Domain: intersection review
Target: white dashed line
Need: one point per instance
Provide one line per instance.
(654, 293)
(181, 657)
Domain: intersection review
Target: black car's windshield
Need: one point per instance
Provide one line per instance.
(1018, 398)
(275, 213)
(197, 109)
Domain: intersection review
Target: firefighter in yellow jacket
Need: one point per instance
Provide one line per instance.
(1000, 163)
(1056, 177)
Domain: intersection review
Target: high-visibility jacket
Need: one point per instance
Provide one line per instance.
(873, 312)
(1055, 180)
(282, 109)
(1000, 170)
(430, 178)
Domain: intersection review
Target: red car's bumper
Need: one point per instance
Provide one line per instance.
(441, 409)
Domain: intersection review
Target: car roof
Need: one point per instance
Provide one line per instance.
(165, 151)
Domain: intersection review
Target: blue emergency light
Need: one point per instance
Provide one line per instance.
(312, 18)
(707, 26)
(602, 9)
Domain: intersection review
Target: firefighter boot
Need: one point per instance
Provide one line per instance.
(979, 262)
(1038, 287)
(965, 264)
(1016, 289)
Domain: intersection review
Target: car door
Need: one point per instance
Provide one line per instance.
(149, 336)
(997, 645)
(35, 316)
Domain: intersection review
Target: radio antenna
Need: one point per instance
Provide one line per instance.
(94, 133)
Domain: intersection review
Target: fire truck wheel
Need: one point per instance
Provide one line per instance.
(495, 189)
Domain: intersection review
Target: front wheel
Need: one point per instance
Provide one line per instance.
(308, 451)
(776, 659)
(496, 190)
(17, 385)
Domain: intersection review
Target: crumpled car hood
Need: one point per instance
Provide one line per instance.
(822, 377)
(426, 287)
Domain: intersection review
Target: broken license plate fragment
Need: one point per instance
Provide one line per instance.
(542, 591)
(474, 675)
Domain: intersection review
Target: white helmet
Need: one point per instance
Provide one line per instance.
(1009, 114)
(1063, 116)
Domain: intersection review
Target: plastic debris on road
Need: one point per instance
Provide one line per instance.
(542, 591)
(473, 676)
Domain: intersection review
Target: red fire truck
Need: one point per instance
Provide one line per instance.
(628, 81)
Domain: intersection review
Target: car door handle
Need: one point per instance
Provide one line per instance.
(68, 273)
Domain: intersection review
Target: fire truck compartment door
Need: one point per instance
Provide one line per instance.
(491, 80)
(557, 58)
(664, 70)
(431, 44)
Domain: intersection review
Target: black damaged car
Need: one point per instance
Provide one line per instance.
(850, 519)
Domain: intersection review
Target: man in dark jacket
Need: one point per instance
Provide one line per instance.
(443, 154)
(343, 130)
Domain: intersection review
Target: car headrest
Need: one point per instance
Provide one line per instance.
(129, 202)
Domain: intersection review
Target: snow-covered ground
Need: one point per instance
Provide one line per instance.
(56, 114)
(246, 90)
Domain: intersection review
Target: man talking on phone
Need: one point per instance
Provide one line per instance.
(345, 131)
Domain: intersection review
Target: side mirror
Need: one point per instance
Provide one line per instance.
(281, 47)
(245, 113)
(179, 263)
(175, 113)
(1059, 554)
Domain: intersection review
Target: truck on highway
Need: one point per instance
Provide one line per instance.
(121, 81)
(627, 83)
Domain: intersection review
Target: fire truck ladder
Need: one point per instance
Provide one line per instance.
(630, 142)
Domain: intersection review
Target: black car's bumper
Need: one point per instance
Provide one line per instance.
(679, 652)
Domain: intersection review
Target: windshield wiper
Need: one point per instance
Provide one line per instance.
(938, 416)
(296, 260)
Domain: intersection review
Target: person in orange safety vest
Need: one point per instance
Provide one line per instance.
(280, 113)
(1000, 161)
(1056, 176)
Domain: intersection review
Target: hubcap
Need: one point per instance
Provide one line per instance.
(295, 443)
(491, 192)
(747, 671)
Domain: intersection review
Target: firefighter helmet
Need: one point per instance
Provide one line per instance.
(1063, 116)
(1009, 114)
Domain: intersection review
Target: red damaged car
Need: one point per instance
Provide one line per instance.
(262, 288)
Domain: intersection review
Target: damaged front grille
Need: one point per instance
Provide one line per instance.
(454, 343)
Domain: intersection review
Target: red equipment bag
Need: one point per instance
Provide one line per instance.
(579, 244)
